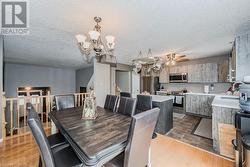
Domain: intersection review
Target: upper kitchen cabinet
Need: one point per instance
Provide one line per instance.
(242, 44)
(194, 75)
(178, 69)
(223, 71)
(233, 64)
(207, 70)
(164, 75)
(203, 73)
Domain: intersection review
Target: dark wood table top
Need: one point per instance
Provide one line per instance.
(94, 141)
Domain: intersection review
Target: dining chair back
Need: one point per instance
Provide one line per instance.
(125, 94)
(111, 102)
(61, 156)
(107, 100)
(39, 136)
(144, 103)
(127, 106)
(139, 138)
(64, 101)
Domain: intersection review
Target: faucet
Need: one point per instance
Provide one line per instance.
(236, 82)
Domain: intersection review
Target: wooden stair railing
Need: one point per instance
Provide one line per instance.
(14, 118)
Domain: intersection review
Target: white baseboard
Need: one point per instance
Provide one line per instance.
(1, 140)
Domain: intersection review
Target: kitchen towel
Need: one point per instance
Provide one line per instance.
(178, 99)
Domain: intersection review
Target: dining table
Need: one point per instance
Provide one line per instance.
(95, 141)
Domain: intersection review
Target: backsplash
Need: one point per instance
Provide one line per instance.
(196, 87)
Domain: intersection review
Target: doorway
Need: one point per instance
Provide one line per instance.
(123, 83)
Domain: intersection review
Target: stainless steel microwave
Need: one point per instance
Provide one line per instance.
(178, 77)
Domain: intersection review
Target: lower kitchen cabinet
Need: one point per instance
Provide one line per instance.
(199, 104)
(223, 130)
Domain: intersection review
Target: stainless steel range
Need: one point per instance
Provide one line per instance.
(178, 97)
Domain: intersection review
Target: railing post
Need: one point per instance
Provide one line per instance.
(18, 115)
(11, 118)
(3, 117)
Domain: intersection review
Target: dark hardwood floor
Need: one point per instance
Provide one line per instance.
(182, 131)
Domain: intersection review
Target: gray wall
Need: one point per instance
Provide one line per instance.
(83, 76)
(1, 82)
(61, 81)
(242, 56)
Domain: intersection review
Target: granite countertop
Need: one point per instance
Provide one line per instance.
(222, 100)
(159, 98)
(208, 94)
(226, 101)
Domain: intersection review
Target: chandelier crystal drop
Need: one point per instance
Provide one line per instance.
(94, 43)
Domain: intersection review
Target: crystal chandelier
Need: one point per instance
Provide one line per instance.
(148, 64)
(95, 43)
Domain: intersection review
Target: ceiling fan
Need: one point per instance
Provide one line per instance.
(172, 58)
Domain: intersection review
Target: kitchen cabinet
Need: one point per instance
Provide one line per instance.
(210, 73)
(178, 69)
(223, 126)
(194, 73)
(164, 75)
(203, 73)
(199, 73)
(240, 58)
(233, 64)
(223, 71)
(199, 104)
(242, 47)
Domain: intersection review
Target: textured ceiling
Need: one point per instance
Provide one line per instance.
(196, 28)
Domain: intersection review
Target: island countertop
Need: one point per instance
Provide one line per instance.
(226, 102)
(159, 98)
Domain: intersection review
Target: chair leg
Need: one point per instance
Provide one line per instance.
(40, 163)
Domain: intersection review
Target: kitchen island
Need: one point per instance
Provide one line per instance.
(165, 120)
(224, 109)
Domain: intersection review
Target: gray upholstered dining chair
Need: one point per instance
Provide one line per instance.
(125, 94)
(127, 106)
(144, 103)
(111, 102)
(64, 101)
(52, 157)
(61, 102)
(139, 139)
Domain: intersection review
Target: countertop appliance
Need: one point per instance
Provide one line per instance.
(206, 89)
(178, 77)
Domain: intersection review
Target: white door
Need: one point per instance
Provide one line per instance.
(135, 84)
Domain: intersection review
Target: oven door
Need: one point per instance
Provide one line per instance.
(179, 101)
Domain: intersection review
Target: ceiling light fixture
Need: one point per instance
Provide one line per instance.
(95, 43)
(147, 64)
